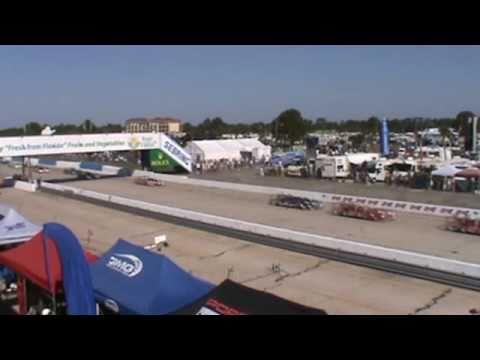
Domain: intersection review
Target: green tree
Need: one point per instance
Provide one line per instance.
(309, 125)
(289, 126)
(33, 128)
(88, 126)
(110, 128)
(320, 124)
(218, 127)
(190, 130)
(372, 125)
(258, 128)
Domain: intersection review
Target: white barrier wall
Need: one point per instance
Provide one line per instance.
(25, 186)
(359, 248)
(410, 207)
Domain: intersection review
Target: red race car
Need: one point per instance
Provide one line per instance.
(469, 224)
(362, 212)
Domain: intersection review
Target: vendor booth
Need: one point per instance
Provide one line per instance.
(128, 279)
(53, 273)
(467, 180)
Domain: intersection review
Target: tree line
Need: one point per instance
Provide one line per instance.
(85, 127)
(288, 127)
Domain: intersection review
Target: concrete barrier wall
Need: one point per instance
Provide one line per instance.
(358, 248)
(403, 206)
(99, 169)
(25, 186)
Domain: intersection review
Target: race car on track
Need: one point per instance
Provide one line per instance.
(148, 181)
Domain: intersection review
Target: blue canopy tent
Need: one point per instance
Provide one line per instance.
(128, 279)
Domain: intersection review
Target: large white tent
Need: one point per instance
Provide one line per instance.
(232, 149)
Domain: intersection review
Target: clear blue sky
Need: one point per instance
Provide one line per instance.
(53, 84)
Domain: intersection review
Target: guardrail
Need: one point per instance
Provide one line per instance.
(425, 266)
(385, 204)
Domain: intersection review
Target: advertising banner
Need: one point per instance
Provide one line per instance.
(384, 137)
(64, 144)
(160, 162)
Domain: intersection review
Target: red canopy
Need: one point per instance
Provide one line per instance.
(469, 173)
(29, 261)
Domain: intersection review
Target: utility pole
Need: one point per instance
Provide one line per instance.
(276, 132)
(474, 137)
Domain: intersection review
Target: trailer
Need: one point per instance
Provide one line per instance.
(332, 167)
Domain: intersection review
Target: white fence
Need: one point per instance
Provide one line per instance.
(358, 248)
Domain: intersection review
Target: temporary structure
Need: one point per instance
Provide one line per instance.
(446, 171)
(14, 228)
(231, 298)
(55, 262)
(129, 279)
(210, 150)
(232, 149)
(469, 173)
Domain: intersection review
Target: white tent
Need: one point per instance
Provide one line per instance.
(206, 150)
(359, 158)
(14, 227)
(446, 171)
(226, 149)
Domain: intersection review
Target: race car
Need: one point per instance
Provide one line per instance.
(41, 170)
(362, 212)
(148, 181)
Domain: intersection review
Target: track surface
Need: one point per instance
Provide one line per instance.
(350, 258)
(415, 233)
(339, 288)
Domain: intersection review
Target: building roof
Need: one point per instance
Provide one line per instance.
(161, 120)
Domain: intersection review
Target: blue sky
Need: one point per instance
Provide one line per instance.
(53, 84)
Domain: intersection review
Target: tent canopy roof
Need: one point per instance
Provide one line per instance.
(14, 227)
(29, 260)
(446, 171)
(131, 280)
(231, 298)
(469, 173)
(227, 149)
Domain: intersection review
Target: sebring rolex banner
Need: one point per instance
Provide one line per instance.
(69, 144)
(161, 162)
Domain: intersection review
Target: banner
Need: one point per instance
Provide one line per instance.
(161, 162)
(384, 137)
(64, 144)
